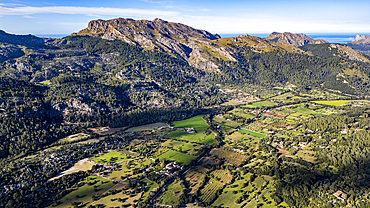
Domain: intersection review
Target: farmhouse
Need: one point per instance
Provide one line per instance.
(190, 130)
(340, 195)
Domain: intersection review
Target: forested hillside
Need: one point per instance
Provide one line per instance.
(233, 122)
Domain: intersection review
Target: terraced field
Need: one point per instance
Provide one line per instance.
(217, 180)
(194, 177)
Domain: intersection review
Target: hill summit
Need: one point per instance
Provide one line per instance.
(293, 39)
(177, 39)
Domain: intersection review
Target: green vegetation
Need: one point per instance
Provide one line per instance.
(194, 122)
(333, 102)
(294, 155)
(83, 193)
(172, 195)
(109, 157)
(45, 82)
(179, 157)
(184, 147)
(251, 133)
(201, 134)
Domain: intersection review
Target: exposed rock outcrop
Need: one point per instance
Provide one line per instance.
(293, 39)
(177, 39)
(361, 39)
(361, 43)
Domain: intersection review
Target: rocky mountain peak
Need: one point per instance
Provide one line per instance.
(174, 38)
(293, 39)
(362, 39)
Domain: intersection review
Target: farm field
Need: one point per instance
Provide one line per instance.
(194, 177)
(239, 112)
(179, 157)
(83, 195)
(230, 194)
(217, 179)
(232, 157)
(251, 133)
(127, 169)
(333, 102)
(306, 111)
(125, 197)
(188, 148)
(150, 186)
(158, 152)
(263, 103)
(109, 158)
(194, 122)
(199, 136)
(228, 123)
(172, 195)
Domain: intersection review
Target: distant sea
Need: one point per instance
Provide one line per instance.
(331, 38)
(51, 35)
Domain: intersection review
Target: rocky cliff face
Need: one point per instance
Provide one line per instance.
(177, 39)
(361, 39)
(293, 39)
(361, 43)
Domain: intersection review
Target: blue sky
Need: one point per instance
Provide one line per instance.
(216, 16)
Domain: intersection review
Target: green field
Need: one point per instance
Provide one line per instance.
(150, 187)
(83, 194)
(45, 82)
(200, 126)
(194, 122)
(199, 137)
(263, 103)
(172, 195)
(126, 168)
(333, 102)
(109, 157)
(184, 147)
(127, 200)
(224, 122)
(179, 157)
(217, 179)
(251, 133)
(241, 113)
(229, 197)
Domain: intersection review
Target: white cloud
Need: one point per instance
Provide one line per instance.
(29, 17)
(28, 10)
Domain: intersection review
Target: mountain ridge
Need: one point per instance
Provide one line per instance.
(361, 43)
(293, 39)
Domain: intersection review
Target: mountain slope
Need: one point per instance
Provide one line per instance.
(293, 39)
(361, 43)
(177, 39)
